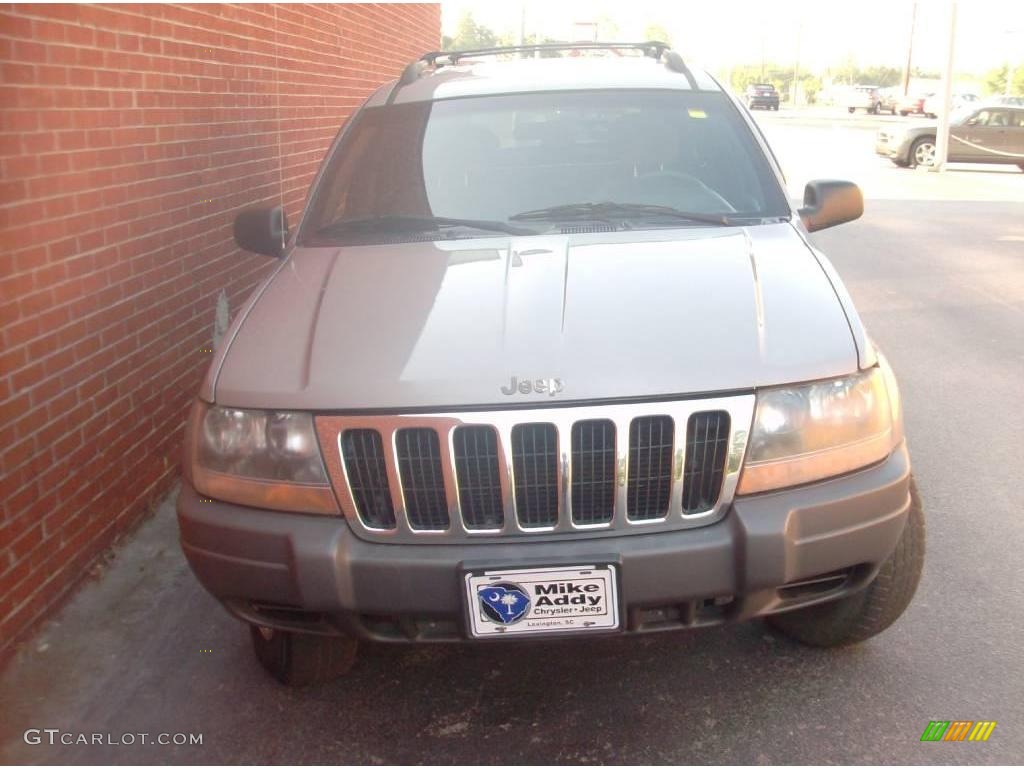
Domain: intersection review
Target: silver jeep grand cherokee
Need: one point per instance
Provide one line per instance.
(549, 355)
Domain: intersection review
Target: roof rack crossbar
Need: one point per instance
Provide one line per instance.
(652, 48)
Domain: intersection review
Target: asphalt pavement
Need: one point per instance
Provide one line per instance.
(936, 268)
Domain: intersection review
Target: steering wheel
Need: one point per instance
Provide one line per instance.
(658, 186)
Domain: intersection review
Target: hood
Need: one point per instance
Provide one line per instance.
(595, 316)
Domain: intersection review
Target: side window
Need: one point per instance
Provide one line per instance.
(981, 118)
(1000, 118)
(1017, 118)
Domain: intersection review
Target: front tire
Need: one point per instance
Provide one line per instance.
(865, 614)
(296, 659)
(922, 152)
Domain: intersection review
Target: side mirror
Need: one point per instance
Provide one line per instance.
(829, 202)
(262, 230)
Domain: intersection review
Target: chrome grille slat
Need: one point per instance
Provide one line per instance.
(572, 471)
(420, 470)
(508, 477)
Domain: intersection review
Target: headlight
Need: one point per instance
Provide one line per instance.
(257, 458)
(814, 431)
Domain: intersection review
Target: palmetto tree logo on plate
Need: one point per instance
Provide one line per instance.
(504, 602)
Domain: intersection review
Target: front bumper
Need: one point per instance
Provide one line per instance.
(772, 552)
(891, 146)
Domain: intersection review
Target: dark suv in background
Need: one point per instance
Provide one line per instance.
(762, 95)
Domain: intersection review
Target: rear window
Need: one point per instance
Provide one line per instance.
(489, 158)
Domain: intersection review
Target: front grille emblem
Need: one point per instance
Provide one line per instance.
(526, 386)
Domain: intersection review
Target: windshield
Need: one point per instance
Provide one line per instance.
(480, 162)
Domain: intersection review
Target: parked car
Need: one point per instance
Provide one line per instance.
(990, 134)
(913, 103)
(889, 100)
(864, 97)
(933, 104)
(544, 361)
(762, 96)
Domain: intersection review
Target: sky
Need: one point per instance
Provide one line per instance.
(718, 34)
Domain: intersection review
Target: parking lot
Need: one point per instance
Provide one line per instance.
(936, 268)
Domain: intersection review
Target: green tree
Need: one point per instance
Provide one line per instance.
(746, 74)
(811, 86)
(850, 73)
(470, 35)
(995, 80)
(779, 76)
(531, 39)
(880, 75)
(657, 33)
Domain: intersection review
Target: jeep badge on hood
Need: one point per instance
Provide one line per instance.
(540, 386)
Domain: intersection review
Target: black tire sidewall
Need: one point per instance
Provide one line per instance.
(873, 609)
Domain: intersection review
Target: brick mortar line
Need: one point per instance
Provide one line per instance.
(32, 200)
(85, 424)
(8, 620)
(369, 37)
(122, 184)
(252, 273)
(16, 393)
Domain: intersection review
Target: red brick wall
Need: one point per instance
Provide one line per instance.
(129, 137)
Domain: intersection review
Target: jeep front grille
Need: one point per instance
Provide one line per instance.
(581, 471)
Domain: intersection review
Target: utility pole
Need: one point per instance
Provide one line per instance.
(942, 140)
(762, 54)
(910, 49)
(1008, 89)
(796, 62)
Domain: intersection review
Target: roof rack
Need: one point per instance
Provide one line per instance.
(652, 48)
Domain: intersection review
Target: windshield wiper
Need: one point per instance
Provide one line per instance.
(397, 223)
(617, 210)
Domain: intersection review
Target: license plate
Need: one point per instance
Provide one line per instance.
(537, 601)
